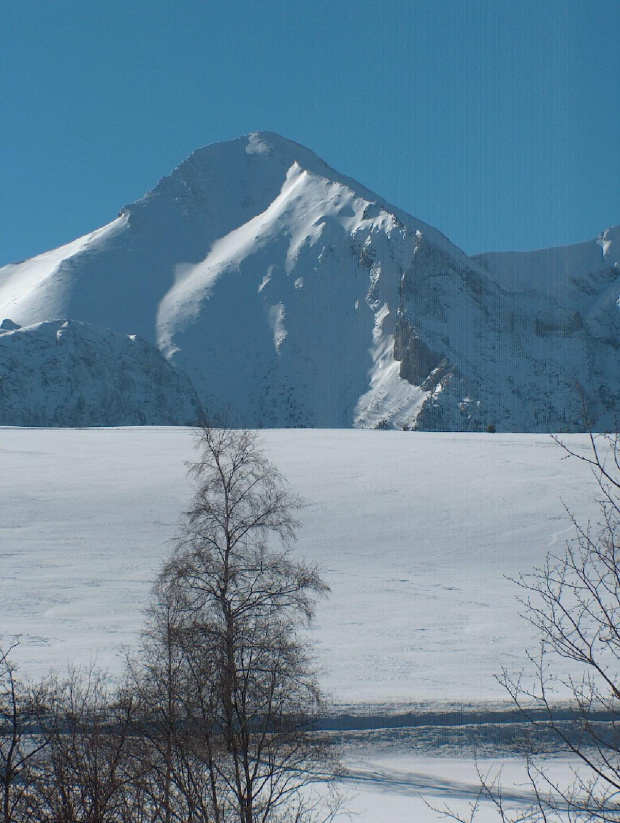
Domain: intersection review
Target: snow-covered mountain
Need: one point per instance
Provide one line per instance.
(66, 373)
(293, 296)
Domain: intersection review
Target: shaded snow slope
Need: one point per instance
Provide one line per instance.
(415, 534)
(42, 288)
(66, 373)
(293, 296)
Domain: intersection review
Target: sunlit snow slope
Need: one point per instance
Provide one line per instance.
(293, 296)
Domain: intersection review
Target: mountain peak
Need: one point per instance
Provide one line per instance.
(295, 296)
(234, 181)
(265, 144)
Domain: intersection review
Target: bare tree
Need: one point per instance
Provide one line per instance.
(226, 667)
(214, 720)
(21, 743)
(159, 676)
(573, 601)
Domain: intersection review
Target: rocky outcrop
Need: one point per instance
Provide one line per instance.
(417, 361)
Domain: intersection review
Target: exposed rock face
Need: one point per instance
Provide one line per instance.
(417, 361)
(293, 296)
(65, 373)
(524, 359)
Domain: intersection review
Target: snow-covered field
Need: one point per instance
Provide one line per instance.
(417, 535)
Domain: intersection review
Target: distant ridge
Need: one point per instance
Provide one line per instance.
(65, 373)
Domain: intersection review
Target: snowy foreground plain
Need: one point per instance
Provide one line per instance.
(416, 533)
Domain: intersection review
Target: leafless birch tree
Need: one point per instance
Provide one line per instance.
(226, 664)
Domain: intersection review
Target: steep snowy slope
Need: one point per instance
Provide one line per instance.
(293, 296)
(60, 373)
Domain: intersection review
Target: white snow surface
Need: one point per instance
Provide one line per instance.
(286, 291)
(416, 533)
(401, 787)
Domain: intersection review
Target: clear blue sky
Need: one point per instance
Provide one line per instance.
(497, 121)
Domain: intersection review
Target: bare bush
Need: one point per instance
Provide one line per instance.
(22, 743)
(88, 772)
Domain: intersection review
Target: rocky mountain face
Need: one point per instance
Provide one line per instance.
(521, 342)
(293, 296)
(66, 373)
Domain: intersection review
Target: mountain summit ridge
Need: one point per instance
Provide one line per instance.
(294, 296)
